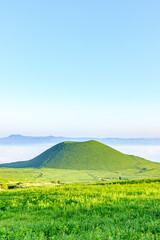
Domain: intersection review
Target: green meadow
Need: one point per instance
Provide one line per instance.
(48, 175)
(103, 210)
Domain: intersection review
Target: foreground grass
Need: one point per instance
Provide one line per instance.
(122, 210)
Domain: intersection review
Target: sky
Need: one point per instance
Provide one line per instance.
(80, 68)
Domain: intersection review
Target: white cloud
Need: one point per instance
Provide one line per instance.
(21, 153)
(149, 152)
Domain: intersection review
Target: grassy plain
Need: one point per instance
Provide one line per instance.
(117, 210)
(44, 175)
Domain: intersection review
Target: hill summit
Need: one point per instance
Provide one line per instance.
(89, 155)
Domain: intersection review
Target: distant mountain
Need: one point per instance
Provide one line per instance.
(29, 140)
(17, 139)
(89, 155)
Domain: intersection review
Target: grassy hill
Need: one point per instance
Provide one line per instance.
(90, 155)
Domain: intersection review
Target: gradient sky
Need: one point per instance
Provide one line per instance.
(80, 68)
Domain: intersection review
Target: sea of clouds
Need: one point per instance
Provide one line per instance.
(16, 153)
(148, 152)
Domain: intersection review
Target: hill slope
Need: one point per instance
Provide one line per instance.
(90, 155)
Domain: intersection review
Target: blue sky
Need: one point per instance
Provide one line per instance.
(80, 68)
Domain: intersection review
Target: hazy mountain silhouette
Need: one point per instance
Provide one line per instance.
(29, 140)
